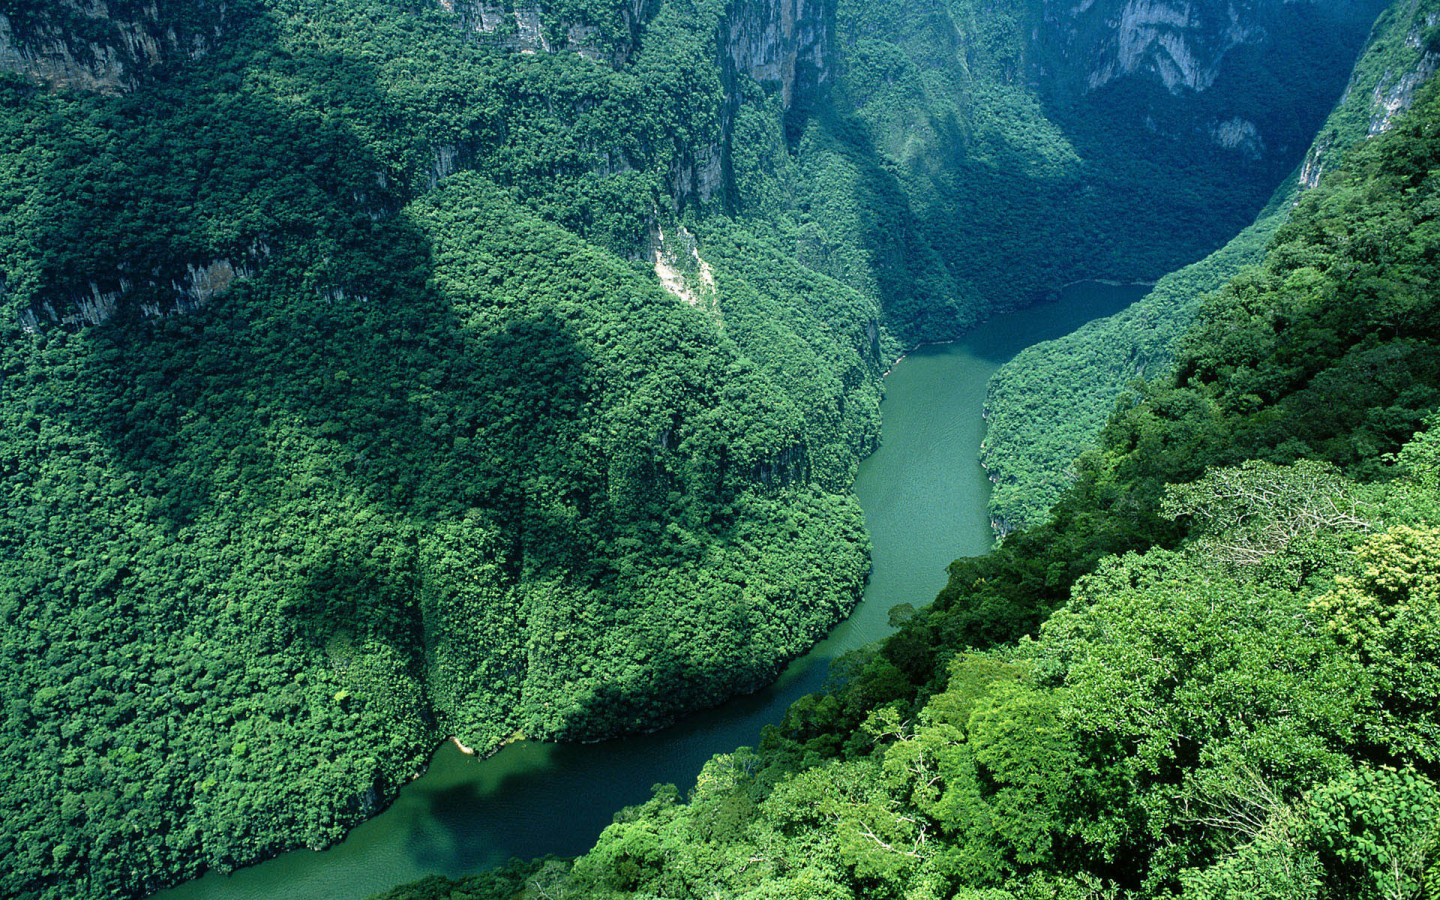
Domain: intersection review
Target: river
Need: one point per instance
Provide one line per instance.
(924, 496)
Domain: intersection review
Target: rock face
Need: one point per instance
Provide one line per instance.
(1180, 43)
(1395, 91)
(779, 43)
(1183, 45)
(1381, 92)
(1194, 63)
(1239, 134)
(786, 46)
(201, 283)
(683, 272)
(785, 43)
(103, 46)
(525, 29)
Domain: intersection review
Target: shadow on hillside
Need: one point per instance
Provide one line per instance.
(392, 366)
(973, 214)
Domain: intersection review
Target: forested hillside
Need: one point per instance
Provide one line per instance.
(318, 450)
(380, 371)
(1049, 403)
(1011, 129)
(1211, 674)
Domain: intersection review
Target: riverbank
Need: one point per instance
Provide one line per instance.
(925, 501)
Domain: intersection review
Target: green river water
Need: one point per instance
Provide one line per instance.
(924, 496)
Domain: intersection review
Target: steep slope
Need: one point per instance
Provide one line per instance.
(378, 372)
(1249, 711)
(339, 418)
(1049, 403)
(967, 135)
(108, 46)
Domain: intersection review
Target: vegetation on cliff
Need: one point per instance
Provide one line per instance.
(343, 409)
(409, 460)
(1049, 404)
(1211, 674)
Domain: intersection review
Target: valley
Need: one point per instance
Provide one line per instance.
(385, 372)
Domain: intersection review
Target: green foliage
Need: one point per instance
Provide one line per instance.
(1241, 706)
(1258, 514)
(1378, 832)
(385, 435)
(1386, 615)
(423, 455)
(1296, 358)
(509, 881)
(1050, 403)
(960, 152)
(1185, 726)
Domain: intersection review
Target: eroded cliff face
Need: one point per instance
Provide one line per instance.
(780, 43)
(683, 272)
(527, 28)
(1394, 92)
(1202, 63)
(1180, 43)
(103, 46)
(785, 43)
(787, 46)
(1381, 91)
(200, 283)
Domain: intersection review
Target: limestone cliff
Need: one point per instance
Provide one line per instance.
(199, 284)
(531, 28)
(786, 46)
(1065, 389)
(1394, 91)
(783, 43)
(104, 46)
(1404, 55)
(1198, 53)
(1180, 43)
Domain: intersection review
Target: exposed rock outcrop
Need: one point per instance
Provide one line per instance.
(1385, 93)
(1395, 91)
(1315, 159)
(199, 284)
(527, 29)
(1181, 43)
(103, 46)
(785, 43)
(1195, 69)
(683, 273)
(1239, 134)
(787, 46)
